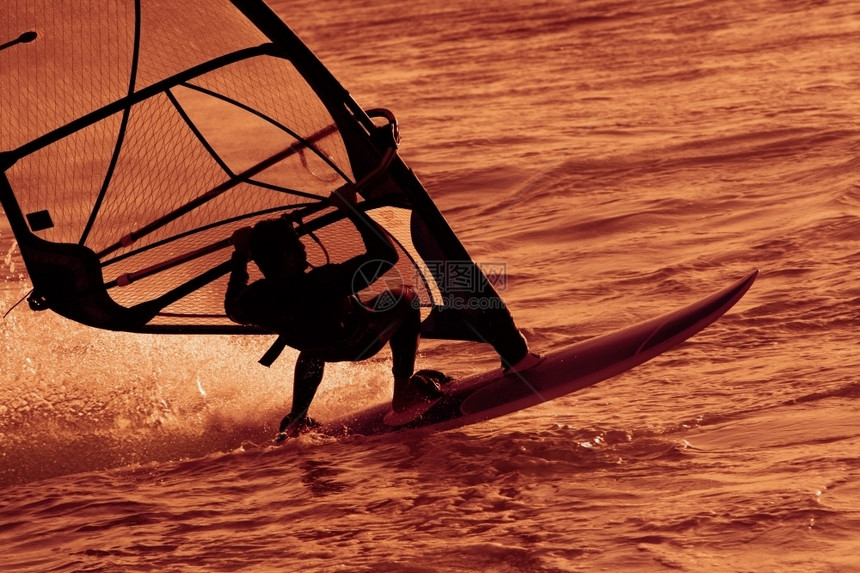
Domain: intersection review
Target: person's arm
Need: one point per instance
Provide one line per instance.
(379, 249)
(238, 274)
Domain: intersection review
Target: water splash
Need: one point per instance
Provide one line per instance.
(8, 261)
(74, 398)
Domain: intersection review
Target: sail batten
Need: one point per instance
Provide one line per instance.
(121, 104)
(135, 57)
(306, 142)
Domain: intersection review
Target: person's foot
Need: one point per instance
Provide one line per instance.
(436, 375)
(524, 363)
(293, 424)
(424, 386)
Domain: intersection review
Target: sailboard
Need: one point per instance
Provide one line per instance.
(501, 391)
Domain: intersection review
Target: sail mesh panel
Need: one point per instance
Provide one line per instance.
(114, 173)
(80, 62)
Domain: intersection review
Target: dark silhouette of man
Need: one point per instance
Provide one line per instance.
(315, 310)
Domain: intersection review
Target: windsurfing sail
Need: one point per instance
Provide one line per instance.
(136, 136)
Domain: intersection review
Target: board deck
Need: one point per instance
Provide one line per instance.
(498, 392)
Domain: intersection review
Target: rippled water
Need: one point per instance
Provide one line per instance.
(621, 158)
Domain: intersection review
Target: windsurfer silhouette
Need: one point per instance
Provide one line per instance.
(315, 310)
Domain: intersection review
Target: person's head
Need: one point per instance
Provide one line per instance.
(276, 248)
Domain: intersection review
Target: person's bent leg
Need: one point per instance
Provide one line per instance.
(404, 347)
(306, 379)
(404, 342)
(395, 317)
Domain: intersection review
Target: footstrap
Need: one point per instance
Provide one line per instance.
(274, 351)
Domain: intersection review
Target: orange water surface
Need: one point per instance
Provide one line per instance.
(619, 158)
